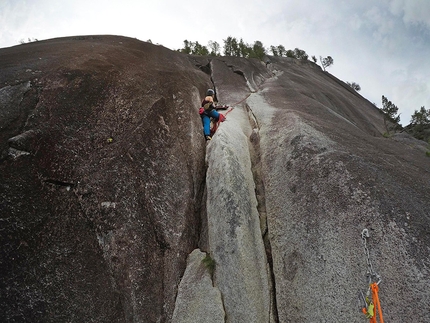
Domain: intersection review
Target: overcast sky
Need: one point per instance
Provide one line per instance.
(383, 45)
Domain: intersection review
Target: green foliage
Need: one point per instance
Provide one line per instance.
(428, 153)
(209, 263)
(390, 110)
(290, 53)
(278, 50)
(187, 47)
(354, 85)
(296, 53)
(29, 40)
(244, 49)
(214, 48)
(194, 48)
(233, 47)
(199, 49)
(420, 124)
(326, 62)
(229, 44)
(391, 119)
(258, 50)
(421, 117)
(300, 54)
(281, 50)
(240, 49)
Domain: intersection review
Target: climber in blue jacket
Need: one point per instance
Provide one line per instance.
(208, 111)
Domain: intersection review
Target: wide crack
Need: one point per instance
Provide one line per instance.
(255, 154)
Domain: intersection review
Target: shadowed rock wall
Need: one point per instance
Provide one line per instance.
(104, 192)
(100, 179)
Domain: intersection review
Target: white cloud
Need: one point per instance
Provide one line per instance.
(412, 11)
(382, 45)
(355, 22)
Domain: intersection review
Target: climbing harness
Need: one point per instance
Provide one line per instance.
(215, 124)
(372, 306)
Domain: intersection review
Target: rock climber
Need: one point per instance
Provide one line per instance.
(208, 111)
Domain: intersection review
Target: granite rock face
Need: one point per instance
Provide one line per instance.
(107, 187)
(235, 238)
(329, 174)
(198, 300)
(100, 179)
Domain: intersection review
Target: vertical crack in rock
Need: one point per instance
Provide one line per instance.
(203, 239)
(198, 300)
(208, 69)
(235, 240)
(212, 80)
(255, 154)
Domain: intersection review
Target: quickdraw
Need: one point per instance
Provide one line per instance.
(372, 306)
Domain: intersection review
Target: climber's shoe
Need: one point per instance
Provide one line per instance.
(208, 138)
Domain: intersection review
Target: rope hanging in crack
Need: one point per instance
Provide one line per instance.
(372, 306)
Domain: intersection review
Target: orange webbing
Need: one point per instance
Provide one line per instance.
(375, 298)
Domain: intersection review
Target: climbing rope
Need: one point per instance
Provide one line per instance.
(372, 306)
(215, 124)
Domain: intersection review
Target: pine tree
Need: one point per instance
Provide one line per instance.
(391, 119)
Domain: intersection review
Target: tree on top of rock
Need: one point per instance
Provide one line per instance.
(214, 48)
(420, 124)
(421, 117)
(278, 50)
(194, 48)
(354, 85)
(230, 45)
(244, 49)
(391, 119)
(258, 50)
(296, 53)
(300, 54)
(326, 62)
